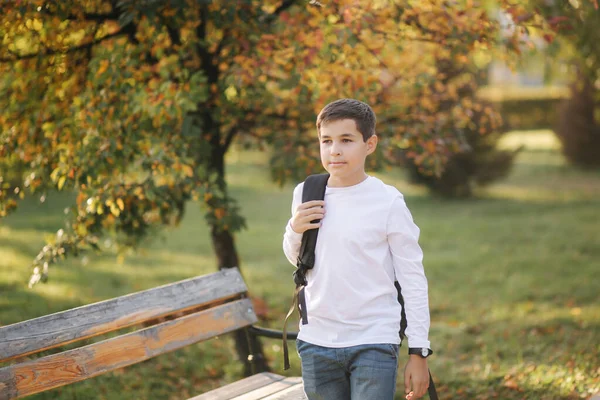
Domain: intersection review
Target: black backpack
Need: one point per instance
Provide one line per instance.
(314, 189)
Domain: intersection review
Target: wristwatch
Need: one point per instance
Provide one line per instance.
(422, 351)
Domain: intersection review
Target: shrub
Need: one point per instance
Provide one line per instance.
(578, 128)
(479, 164)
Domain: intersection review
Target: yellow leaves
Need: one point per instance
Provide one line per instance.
(231, 93)
(188, 170)
(61, 182)
(169, 12)
(284, 56)
(374, 41)
(268, 37)
(115, 209)
(103, 67)
(439, 86)
(75, 37)
(427, 103)
(48, 128)
(430, 146)
(130, 81)
(81, 230)
(219, 213)
(34, 24)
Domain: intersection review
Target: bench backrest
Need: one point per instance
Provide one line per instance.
(213, 304)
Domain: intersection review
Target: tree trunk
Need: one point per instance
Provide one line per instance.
(248, 347)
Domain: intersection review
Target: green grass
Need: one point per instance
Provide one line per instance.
(513, 278)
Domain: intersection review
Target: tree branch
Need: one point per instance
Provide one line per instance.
(50, 52)
(95, 17)
(226, 33)
(91, 16)
(229, 137)
(173, 32)
(210, 69)
(269, 18)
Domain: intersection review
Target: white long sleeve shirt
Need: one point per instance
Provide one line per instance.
(367, 240)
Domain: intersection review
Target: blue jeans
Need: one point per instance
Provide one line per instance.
(364, 372)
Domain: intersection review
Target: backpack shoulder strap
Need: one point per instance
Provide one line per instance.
(313, 189)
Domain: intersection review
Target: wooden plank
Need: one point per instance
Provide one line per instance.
(240, 387)
(295, 392)
(95, 319)
(266, 391)
(79, 364)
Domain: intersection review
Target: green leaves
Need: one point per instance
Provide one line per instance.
(133, 106)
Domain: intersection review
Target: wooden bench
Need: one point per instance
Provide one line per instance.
(202, 308)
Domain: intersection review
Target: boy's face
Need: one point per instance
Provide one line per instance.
(343, 152)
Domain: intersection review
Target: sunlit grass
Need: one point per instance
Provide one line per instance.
(513, 280)
(519, 92)
(541, 140)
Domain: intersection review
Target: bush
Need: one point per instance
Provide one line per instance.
(578, 128)
(526, 108)
(479, 164)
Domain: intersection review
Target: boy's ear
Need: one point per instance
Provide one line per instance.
(372, 144)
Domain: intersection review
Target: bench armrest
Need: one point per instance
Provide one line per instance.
(271, 333)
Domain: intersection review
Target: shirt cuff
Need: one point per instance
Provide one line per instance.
(292, 236)
(418, 342)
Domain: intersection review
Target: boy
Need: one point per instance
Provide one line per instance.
(367, 239)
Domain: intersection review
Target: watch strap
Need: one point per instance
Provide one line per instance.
(421, 351)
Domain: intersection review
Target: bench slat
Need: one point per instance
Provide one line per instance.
(95, 319)
(79, 364)
(240, 387)
(295, 392)
(269, 390)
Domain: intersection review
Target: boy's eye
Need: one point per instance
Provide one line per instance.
(326, 141)
(347, 140)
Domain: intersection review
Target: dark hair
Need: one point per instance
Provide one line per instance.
(356, 110)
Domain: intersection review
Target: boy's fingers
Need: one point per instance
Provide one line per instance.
(406, 383)
(313, 210)
(312, 217)
(305, 213)
(421, 389)
(419, 393)
(312, 203)
(312, 226)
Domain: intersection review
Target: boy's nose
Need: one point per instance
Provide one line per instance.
(334, 150)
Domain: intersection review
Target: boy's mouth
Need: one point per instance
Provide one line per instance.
(336, 163)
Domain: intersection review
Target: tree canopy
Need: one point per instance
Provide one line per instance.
(132, 104)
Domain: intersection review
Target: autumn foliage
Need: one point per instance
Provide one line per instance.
(133, 104)
(478, 162)
(578, 127)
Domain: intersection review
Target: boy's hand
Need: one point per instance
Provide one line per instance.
(416, 377)
(306, 212)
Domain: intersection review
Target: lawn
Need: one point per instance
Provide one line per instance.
(513, 277)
